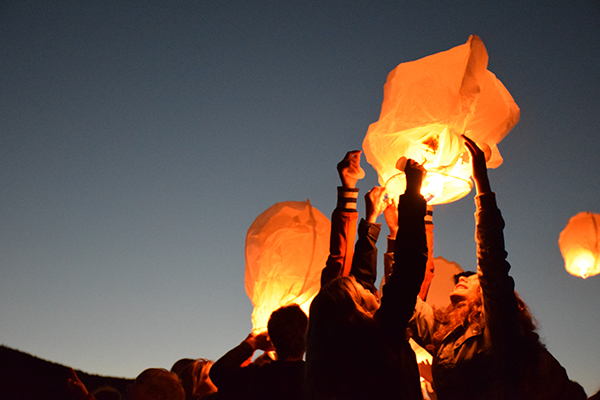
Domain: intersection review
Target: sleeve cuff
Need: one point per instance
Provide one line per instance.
(346, 198)
(391, 244)
(486, 201)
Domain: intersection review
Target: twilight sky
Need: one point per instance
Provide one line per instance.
(139, 140)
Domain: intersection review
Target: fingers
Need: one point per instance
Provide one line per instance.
(412, 164)
(351, 158)
(376, 196)
(349, 169)
(353, 154)
(472, 146)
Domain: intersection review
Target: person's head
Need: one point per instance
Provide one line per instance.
(156, 384)
(342, 304)
(181, 365)
(467, 288)
(107, 393)
(345, 296)
(466, 274)
(467, 307)
(287, 331)
(201, 385)
(344, 346)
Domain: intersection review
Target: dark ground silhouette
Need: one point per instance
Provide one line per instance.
(25, 377)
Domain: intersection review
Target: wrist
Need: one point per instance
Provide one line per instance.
(347, 197)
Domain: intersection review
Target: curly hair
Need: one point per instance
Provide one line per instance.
(470, 312)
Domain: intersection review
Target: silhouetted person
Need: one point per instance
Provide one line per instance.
(356, 348)
(151, 384)
(181, 365)
(279, 379)
(107, 393)
(484, 344)
(194, 375)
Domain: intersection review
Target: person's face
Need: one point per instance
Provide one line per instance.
(467, 287)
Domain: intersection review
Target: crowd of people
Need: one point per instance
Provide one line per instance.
(355, 345)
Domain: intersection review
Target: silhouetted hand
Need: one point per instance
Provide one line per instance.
(391, 217)
(482, 183)
(77, 387)
(414, 176)
(374, 203)
(349, 169)
(259, 341)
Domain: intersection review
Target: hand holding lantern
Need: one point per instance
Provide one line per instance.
(482, 182)
(374, 203)
(414, 176)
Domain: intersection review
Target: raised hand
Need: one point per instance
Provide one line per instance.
(391, 217)
(349, 169)
(414, 176)
(259, 341)
(374, 203)
(482, 183)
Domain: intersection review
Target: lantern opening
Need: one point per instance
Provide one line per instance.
(583, 263)
(437, 188)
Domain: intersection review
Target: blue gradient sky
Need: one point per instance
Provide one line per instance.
(139, 140)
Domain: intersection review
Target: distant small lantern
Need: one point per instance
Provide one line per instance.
(579, 244)
(427, 105)
(286, 248)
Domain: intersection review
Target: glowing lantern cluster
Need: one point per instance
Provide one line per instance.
(286, 249)
(427, 105)
(579, 244)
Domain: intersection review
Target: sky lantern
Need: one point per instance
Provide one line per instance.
(427, 105)
(579, 244)
(286, 249)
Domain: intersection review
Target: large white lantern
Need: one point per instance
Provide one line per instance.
(427, 105)
(286, 249)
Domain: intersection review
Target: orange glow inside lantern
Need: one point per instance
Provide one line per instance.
(428, 104)
(286, 248)
(579, 245)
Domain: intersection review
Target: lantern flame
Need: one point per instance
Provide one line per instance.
(583, 263)
(579, 245)
(428, 104)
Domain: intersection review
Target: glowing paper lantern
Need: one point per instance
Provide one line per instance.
(579, 243)
(427, 105)
(286, 249)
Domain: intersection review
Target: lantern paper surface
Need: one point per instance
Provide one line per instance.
(579, 243)
(286, 248)
(427, 105)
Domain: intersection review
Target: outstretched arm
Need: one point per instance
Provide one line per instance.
(499, 300)
(364, 262)
(482, 182)
(400, 292)
(343, 219)
(229, 373)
